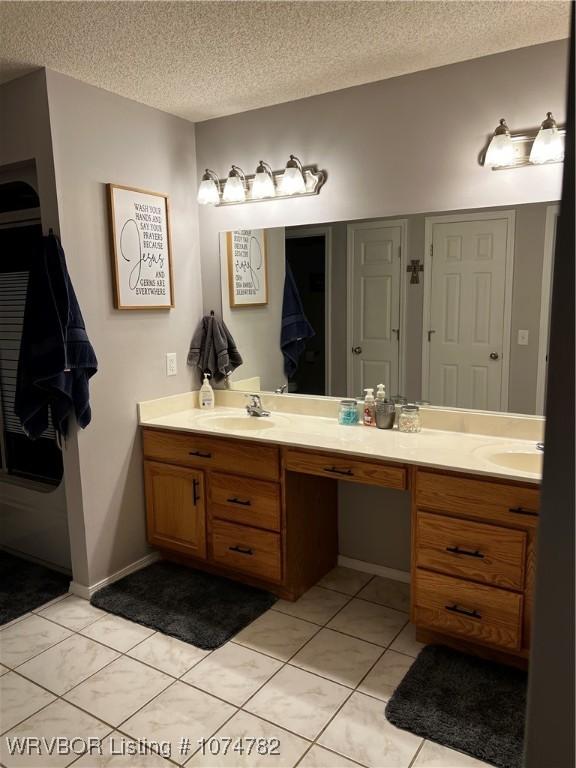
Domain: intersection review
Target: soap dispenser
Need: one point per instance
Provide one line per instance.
(385, 410)
(206, 394)
(369, 408)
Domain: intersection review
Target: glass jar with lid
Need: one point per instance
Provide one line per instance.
(409, 419)
(348, 412)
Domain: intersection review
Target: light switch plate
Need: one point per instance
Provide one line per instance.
(171, 364)
(523, 338)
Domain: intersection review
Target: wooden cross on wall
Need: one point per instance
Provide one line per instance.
(415, 268)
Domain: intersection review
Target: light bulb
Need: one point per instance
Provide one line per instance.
(208, 192)
(548, 145)
(263, 185)
(292, 179)
(501, 149)
(234, 191)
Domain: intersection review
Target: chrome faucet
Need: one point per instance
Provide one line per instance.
(254, 407)
(281, 389)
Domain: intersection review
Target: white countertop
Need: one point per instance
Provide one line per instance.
(454, 451)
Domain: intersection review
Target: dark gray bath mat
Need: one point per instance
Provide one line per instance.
(25, 586)
(463, 702)
(196, 607)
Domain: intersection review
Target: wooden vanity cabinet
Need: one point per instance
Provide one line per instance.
(473, 554)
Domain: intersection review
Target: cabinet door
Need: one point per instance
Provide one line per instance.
(175, 508)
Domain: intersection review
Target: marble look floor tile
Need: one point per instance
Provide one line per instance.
(233, 673)
(118, 690)
(20, 698)
(394, 594)
(339, 657)
(73, 612)
(344, 580)
(276, 634)
(283, 749)
(65, 665)
(180, 711)
(16, 620)
(3, 670)
(117, 632)
(317, 605)
(28, 638)
(318, 757)
(296, 700)
(116, 754)
(385, 677)
(435, 756)
(168, 654)
(374, 623)
(58, 719)
(51, 602)
(406, 642)
(361, 732)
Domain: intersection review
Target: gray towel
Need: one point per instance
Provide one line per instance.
(213, 349)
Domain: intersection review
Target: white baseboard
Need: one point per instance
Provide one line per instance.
(86, 592)
(377, 570)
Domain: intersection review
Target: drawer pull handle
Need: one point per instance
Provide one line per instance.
(464, 611)
(522, 511)
(242, 502)
(195, 495)
(200, 454)
(338, 471)
(458, 551)
(241, 550)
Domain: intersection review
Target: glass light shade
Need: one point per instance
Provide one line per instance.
(548, 146)
(293, 182)
(500, 150)
(234, 191)
(208, 193)
(263, 186)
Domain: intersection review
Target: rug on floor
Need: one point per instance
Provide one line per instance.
(195, 607)
(463, 702)
(25, 586)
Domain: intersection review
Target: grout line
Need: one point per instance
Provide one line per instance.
(413, 761)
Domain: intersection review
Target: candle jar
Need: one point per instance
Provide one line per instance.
(348, 412)
(409, 419)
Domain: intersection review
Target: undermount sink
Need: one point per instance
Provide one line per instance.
(245, 423)
(520, 459)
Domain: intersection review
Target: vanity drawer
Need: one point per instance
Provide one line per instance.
(470, 550)
(250, 502)
(247, 549)
(213, 453)
(343, 468)
(483, 499)
(485, 614)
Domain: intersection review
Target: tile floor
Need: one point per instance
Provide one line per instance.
(309, 679)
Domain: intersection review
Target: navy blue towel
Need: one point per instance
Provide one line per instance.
(56, 357)
(295, 326)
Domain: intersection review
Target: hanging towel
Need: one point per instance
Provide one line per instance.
(213, 349)
(295, 326)
(56, 358)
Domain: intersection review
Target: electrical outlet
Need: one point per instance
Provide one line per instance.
(171, 364)
(523, 338)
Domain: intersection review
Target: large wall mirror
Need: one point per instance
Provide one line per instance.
(446, 308)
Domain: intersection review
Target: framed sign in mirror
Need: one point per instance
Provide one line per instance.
(140, 248)
(247, 268)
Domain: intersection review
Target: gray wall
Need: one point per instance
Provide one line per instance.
(391, 148)
(99, 137)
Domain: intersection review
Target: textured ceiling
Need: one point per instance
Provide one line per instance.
(205, 59)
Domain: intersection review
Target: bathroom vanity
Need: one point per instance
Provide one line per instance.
(258, 502)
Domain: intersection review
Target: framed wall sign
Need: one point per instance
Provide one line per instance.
(141, 248)
(247, 268)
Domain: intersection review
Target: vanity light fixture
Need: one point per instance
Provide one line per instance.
(263, 185)
(209, 189)
(292, 182)
(235, 187)
(548, 145)
(500, 150)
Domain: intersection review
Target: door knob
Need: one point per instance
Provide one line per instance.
(357, 350)
(494, 355)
